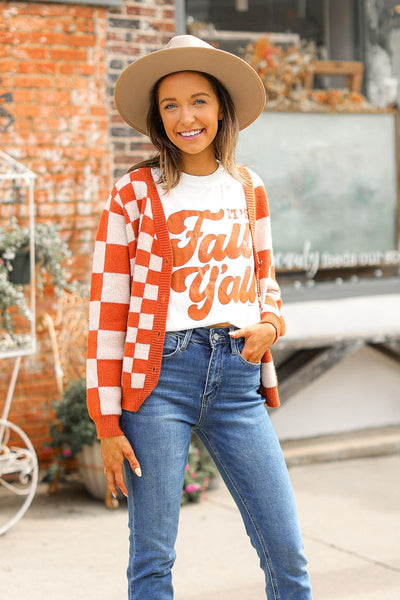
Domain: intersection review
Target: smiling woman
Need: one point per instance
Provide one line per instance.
(184, 308)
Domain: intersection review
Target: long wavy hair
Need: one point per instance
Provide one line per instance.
(167, 157)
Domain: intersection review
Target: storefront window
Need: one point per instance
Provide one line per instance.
(305, 18)
(336, 26)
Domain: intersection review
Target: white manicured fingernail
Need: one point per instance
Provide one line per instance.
(138, 471)
(113, 495)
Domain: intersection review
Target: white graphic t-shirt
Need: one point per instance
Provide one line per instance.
(213, 278)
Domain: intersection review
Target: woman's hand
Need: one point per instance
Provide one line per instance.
(113, 451)
(258, 338)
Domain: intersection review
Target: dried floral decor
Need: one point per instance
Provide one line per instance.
(284, 72)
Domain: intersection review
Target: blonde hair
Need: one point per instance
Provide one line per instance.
(167, 158)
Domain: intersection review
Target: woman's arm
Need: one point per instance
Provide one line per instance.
(271, 301)
(108, 314)
(260, 336)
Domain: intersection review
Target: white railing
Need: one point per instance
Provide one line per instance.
(18, 462)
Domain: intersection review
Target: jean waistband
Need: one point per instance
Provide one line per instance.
(210, 336)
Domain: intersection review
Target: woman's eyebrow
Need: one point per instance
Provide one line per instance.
(200, 94)
(168, 100)
(192, 96)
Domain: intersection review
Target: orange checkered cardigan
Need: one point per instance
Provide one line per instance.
(129, 296)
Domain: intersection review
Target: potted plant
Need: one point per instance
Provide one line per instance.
(71, 429)
(73, 434)
(51, 253)
(51, 256)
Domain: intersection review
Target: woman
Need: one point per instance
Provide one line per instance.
(184, 308)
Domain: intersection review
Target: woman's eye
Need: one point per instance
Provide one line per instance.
(199, 101)
(169, 106)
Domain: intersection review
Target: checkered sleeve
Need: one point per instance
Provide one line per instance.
(108, 314)
(271, 301)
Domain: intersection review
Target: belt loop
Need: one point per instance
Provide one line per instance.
(186, 339)
(233, 341)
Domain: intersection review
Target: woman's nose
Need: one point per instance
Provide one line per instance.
(187, 116)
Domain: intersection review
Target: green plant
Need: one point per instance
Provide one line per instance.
(51, 252)
(11, 295)
(71, 430)
(51, 257)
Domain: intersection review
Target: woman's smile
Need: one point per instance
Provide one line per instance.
(191, 134)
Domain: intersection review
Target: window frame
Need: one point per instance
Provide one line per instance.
(104, 3)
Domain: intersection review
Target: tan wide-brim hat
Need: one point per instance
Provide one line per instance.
(188, 53)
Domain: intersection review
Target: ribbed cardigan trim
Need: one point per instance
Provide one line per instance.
(132, 399)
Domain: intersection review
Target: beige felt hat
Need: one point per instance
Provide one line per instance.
(188, 53)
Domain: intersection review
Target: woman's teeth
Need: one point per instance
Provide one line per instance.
(190, 133)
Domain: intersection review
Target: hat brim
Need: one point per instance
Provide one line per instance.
(132, 90)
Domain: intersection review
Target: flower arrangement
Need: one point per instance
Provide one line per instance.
(284, 70)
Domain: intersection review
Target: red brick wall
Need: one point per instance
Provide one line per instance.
(58, 65)
(53, 66)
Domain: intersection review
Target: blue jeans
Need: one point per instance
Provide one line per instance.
(205, 385)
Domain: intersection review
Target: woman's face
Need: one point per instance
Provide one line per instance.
(190, 111)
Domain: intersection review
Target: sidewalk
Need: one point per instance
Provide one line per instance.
(70, 547)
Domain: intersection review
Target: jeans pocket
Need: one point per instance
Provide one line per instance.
(248, 363)
(172, 345)
(243, 360)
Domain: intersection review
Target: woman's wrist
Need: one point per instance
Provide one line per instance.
(275, 328)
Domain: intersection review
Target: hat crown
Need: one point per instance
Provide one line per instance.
(187, 41)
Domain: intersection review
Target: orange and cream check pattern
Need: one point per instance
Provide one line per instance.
(130, 286)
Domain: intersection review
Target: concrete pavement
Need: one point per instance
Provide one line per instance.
(70, 547)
